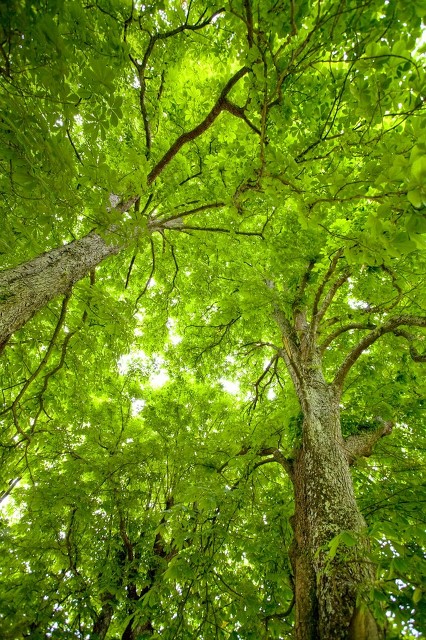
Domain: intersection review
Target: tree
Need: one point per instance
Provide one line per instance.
(265, 163)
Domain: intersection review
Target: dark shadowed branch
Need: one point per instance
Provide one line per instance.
(141, 67)
(151, 274)
(388, 327)
(197, 131)
(415, 355)
(347, 327)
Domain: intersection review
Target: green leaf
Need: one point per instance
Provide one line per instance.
(418, 169)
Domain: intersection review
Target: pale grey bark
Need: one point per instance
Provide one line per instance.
(327, 588)
(27, 288)
(362, 444)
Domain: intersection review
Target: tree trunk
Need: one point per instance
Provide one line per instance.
(326, 587)
(27, 288)
(102, 624)
(139, 631)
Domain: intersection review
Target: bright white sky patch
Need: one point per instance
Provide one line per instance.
(271, 395)
(137, 406)
(126, 360)
(159, 379)
(230, 386)
(173, 336)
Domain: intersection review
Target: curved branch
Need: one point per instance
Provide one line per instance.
(141, 67)
(197, 131)
(258, 392)
(41, 365)
(283, 614)
(329, 299)
(239, 112)
(415, 355)
(389, 305)
(347, 327)
(204, 207)
(365, 343)
(129, 271)
(217, 230)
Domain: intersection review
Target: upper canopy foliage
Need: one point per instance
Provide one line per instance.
(235, 151)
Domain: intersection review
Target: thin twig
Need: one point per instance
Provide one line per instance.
(150, 275)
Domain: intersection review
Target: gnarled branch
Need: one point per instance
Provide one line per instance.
(361, 445)
(141, 67)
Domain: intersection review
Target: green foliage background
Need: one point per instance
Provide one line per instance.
(125, 462)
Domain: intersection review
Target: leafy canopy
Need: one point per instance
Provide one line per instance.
(229, 149)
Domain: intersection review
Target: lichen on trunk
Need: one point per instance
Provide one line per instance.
(28, 287)
(328, 586)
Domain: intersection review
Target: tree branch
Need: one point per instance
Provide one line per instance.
(387, 327)
(316, 320)
(204, 207)
(249, 22)
(283, 614)
(41, 365)
(324, 281)
(258, 391)
(150, 274)
(217, 230)
(362, 444)
(277, 455)
(347, 327)
(415, 355)
(126, 540)
(188, 136)
(141, 67)
(291, 352)
(239, 112)
(74, 147)
(301, 287)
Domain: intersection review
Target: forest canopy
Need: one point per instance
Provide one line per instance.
(212, 314)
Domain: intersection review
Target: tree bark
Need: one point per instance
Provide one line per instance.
(27, 288)
(327, 587)
(102, 624)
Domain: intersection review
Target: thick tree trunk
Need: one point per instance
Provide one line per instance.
(27, 288)
(327, 588)
(102, 624)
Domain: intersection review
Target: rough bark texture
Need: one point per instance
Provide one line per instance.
(27, 288)
(326, 588)
(330, 587)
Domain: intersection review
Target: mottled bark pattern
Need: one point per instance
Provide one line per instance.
(27, 288)
(326, 590)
